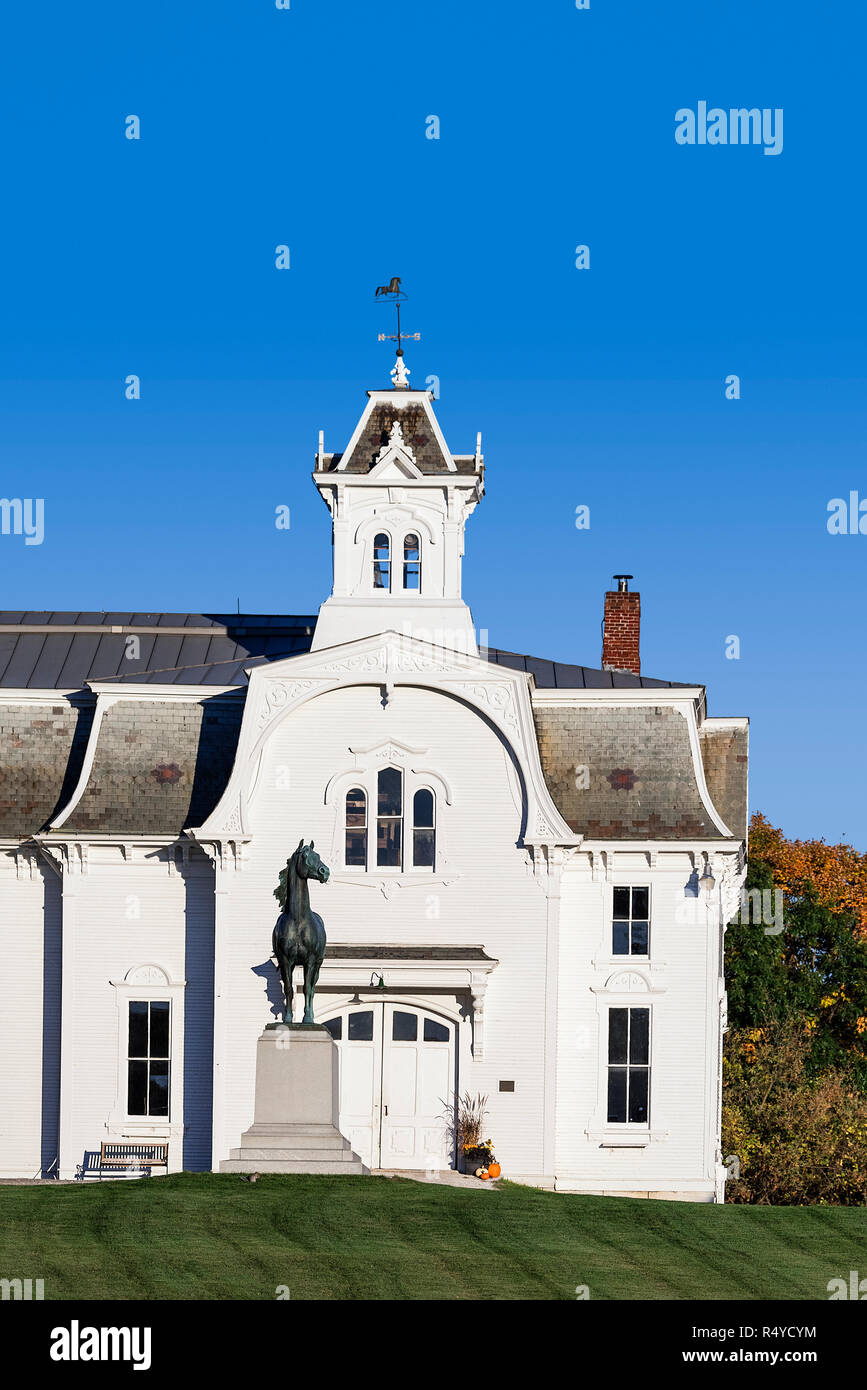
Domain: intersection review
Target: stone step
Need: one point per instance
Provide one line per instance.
(289, 1138)
(324, 1166)
(263, 1133)
(277, 1155)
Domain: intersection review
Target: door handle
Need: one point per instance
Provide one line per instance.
(385, 1110)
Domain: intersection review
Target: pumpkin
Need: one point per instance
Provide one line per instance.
(494, 1170)
(479, 1172)
(484, 1175)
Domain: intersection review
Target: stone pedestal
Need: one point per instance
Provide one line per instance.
(295, 1117)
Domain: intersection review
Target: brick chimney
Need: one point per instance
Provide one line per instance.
(621, 627)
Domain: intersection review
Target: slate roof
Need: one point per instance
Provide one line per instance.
(62, 651)
(159, 766)
(42, 750)
(638, 780)
(725, 756)
(417, 432)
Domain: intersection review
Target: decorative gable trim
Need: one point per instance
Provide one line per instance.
(499, 695)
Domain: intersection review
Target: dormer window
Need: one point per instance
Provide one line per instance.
(411, 562)
(381, 561)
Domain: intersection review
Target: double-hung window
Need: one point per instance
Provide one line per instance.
(381, 561)
(148, 1057)
(630, 931)
(356, 828)
(628, 1066)
(411, 562)
(389, 818)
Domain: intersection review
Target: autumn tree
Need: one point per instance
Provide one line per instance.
(815, 971)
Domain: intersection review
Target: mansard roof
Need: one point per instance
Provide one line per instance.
(639, 780)
(161, 764)
(42, 747)
(158, 765)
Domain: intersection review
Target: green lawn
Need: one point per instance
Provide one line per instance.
(203, 1236)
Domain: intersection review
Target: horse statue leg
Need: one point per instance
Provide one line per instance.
(287, 968)
(311, 975)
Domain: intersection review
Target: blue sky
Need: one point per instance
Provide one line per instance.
(605, 387)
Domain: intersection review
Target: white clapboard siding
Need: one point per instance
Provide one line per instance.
(494, 902)
(29, 1018)
(684, 1005)
(126, 915)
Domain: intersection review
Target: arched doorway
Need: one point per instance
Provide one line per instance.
(397, 1078)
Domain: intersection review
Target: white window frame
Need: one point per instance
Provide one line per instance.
(629, 987)
(627, 1124)
(422, 868)
(389, 587)
(150, 1058)
(610, 925)
(415, 778)
(403, 563)
(150, 981)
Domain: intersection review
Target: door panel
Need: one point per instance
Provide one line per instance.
(397, 1070)
(358, 1033)
(417, 1082)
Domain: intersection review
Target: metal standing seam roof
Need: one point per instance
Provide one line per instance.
(65, 650)
(557, 675)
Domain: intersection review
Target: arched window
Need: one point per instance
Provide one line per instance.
(423, 829)
(389, 818)
(356, 829)
(381, 561)
(411, 562)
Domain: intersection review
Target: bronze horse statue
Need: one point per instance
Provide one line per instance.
(299, 936)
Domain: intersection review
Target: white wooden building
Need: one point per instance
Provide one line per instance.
(531, 862)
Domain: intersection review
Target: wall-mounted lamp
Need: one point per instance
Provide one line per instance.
(707, 880)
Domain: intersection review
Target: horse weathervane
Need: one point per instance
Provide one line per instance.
(393, 294)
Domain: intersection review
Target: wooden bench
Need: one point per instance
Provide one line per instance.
(125, 1156)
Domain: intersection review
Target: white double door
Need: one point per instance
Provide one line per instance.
(397, 1081)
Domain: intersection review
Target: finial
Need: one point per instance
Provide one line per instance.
(400, 372)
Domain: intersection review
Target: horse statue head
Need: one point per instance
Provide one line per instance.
(307, 864)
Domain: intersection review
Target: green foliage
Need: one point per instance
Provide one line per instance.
(795, 1063)
(814, 972)
(800, 1139)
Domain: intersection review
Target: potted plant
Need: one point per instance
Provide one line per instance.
(475, 1154)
